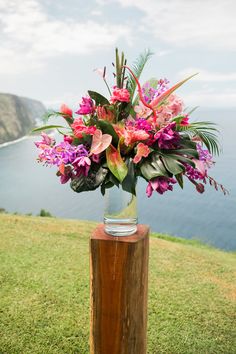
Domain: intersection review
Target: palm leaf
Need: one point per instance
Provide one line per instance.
(206, 131)
(137, 69)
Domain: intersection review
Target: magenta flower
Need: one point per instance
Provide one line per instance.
(167, 137)
(68, 138)
(86, 107)
(160, 185)
(82, 165)
(185, 120)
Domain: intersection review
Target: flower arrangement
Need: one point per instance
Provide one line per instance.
(139, 131)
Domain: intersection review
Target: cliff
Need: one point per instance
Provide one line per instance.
(18, 116)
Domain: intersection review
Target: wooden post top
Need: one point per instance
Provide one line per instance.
(100, 234)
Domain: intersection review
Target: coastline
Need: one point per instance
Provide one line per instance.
(14, 141)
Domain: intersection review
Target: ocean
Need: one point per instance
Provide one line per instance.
(27, 187)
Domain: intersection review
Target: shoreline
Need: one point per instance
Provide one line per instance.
(14, 141)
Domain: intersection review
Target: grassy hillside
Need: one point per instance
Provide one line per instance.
(44, 292)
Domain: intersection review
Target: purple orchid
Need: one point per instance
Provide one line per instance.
(150, 93)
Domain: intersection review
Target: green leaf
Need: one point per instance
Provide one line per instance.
(111, 178)
(129, 183)
(107, 128)
(46, 127)
(172, 165)
(188, 152)
(115, 163)
(206, 131)
(153, 167)
(183, 159)
(98, 98)
(179, 179)
(94, 179)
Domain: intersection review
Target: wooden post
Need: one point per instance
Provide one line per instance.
(118, 289)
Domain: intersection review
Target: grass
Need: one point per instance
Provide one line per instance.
(44, 291)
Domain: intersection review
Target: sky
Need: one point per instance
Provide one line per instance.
(49, 49)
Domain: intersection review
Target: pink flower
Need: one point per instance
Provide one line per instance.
(68, 138)
(160, 185)
(142, 151)
(175, 104)
(100, 142)
(120, 95)
(46, 141)
(171, 109)
(66, 111)
(80, 128)
(86, 107)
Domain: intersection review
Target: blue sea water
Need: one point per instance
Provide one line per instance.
(27, 187)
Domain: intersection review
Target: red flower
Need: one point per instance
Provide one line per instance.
(80, 128)
(66, 111)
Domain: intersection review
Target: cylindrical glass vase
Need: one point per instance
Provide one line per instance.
(120, 215)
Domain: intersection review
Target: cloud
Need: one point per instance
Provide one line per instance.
(205, 98)
(207, 23)
(29, 36)
(208, 76)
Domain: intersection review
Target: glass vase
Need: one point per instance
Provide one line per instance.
(120, 215)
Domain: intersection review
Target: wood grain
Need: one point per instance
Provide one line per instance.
(119, 280)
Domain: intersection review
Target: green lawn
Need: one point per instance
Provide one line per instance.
(44, 291)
